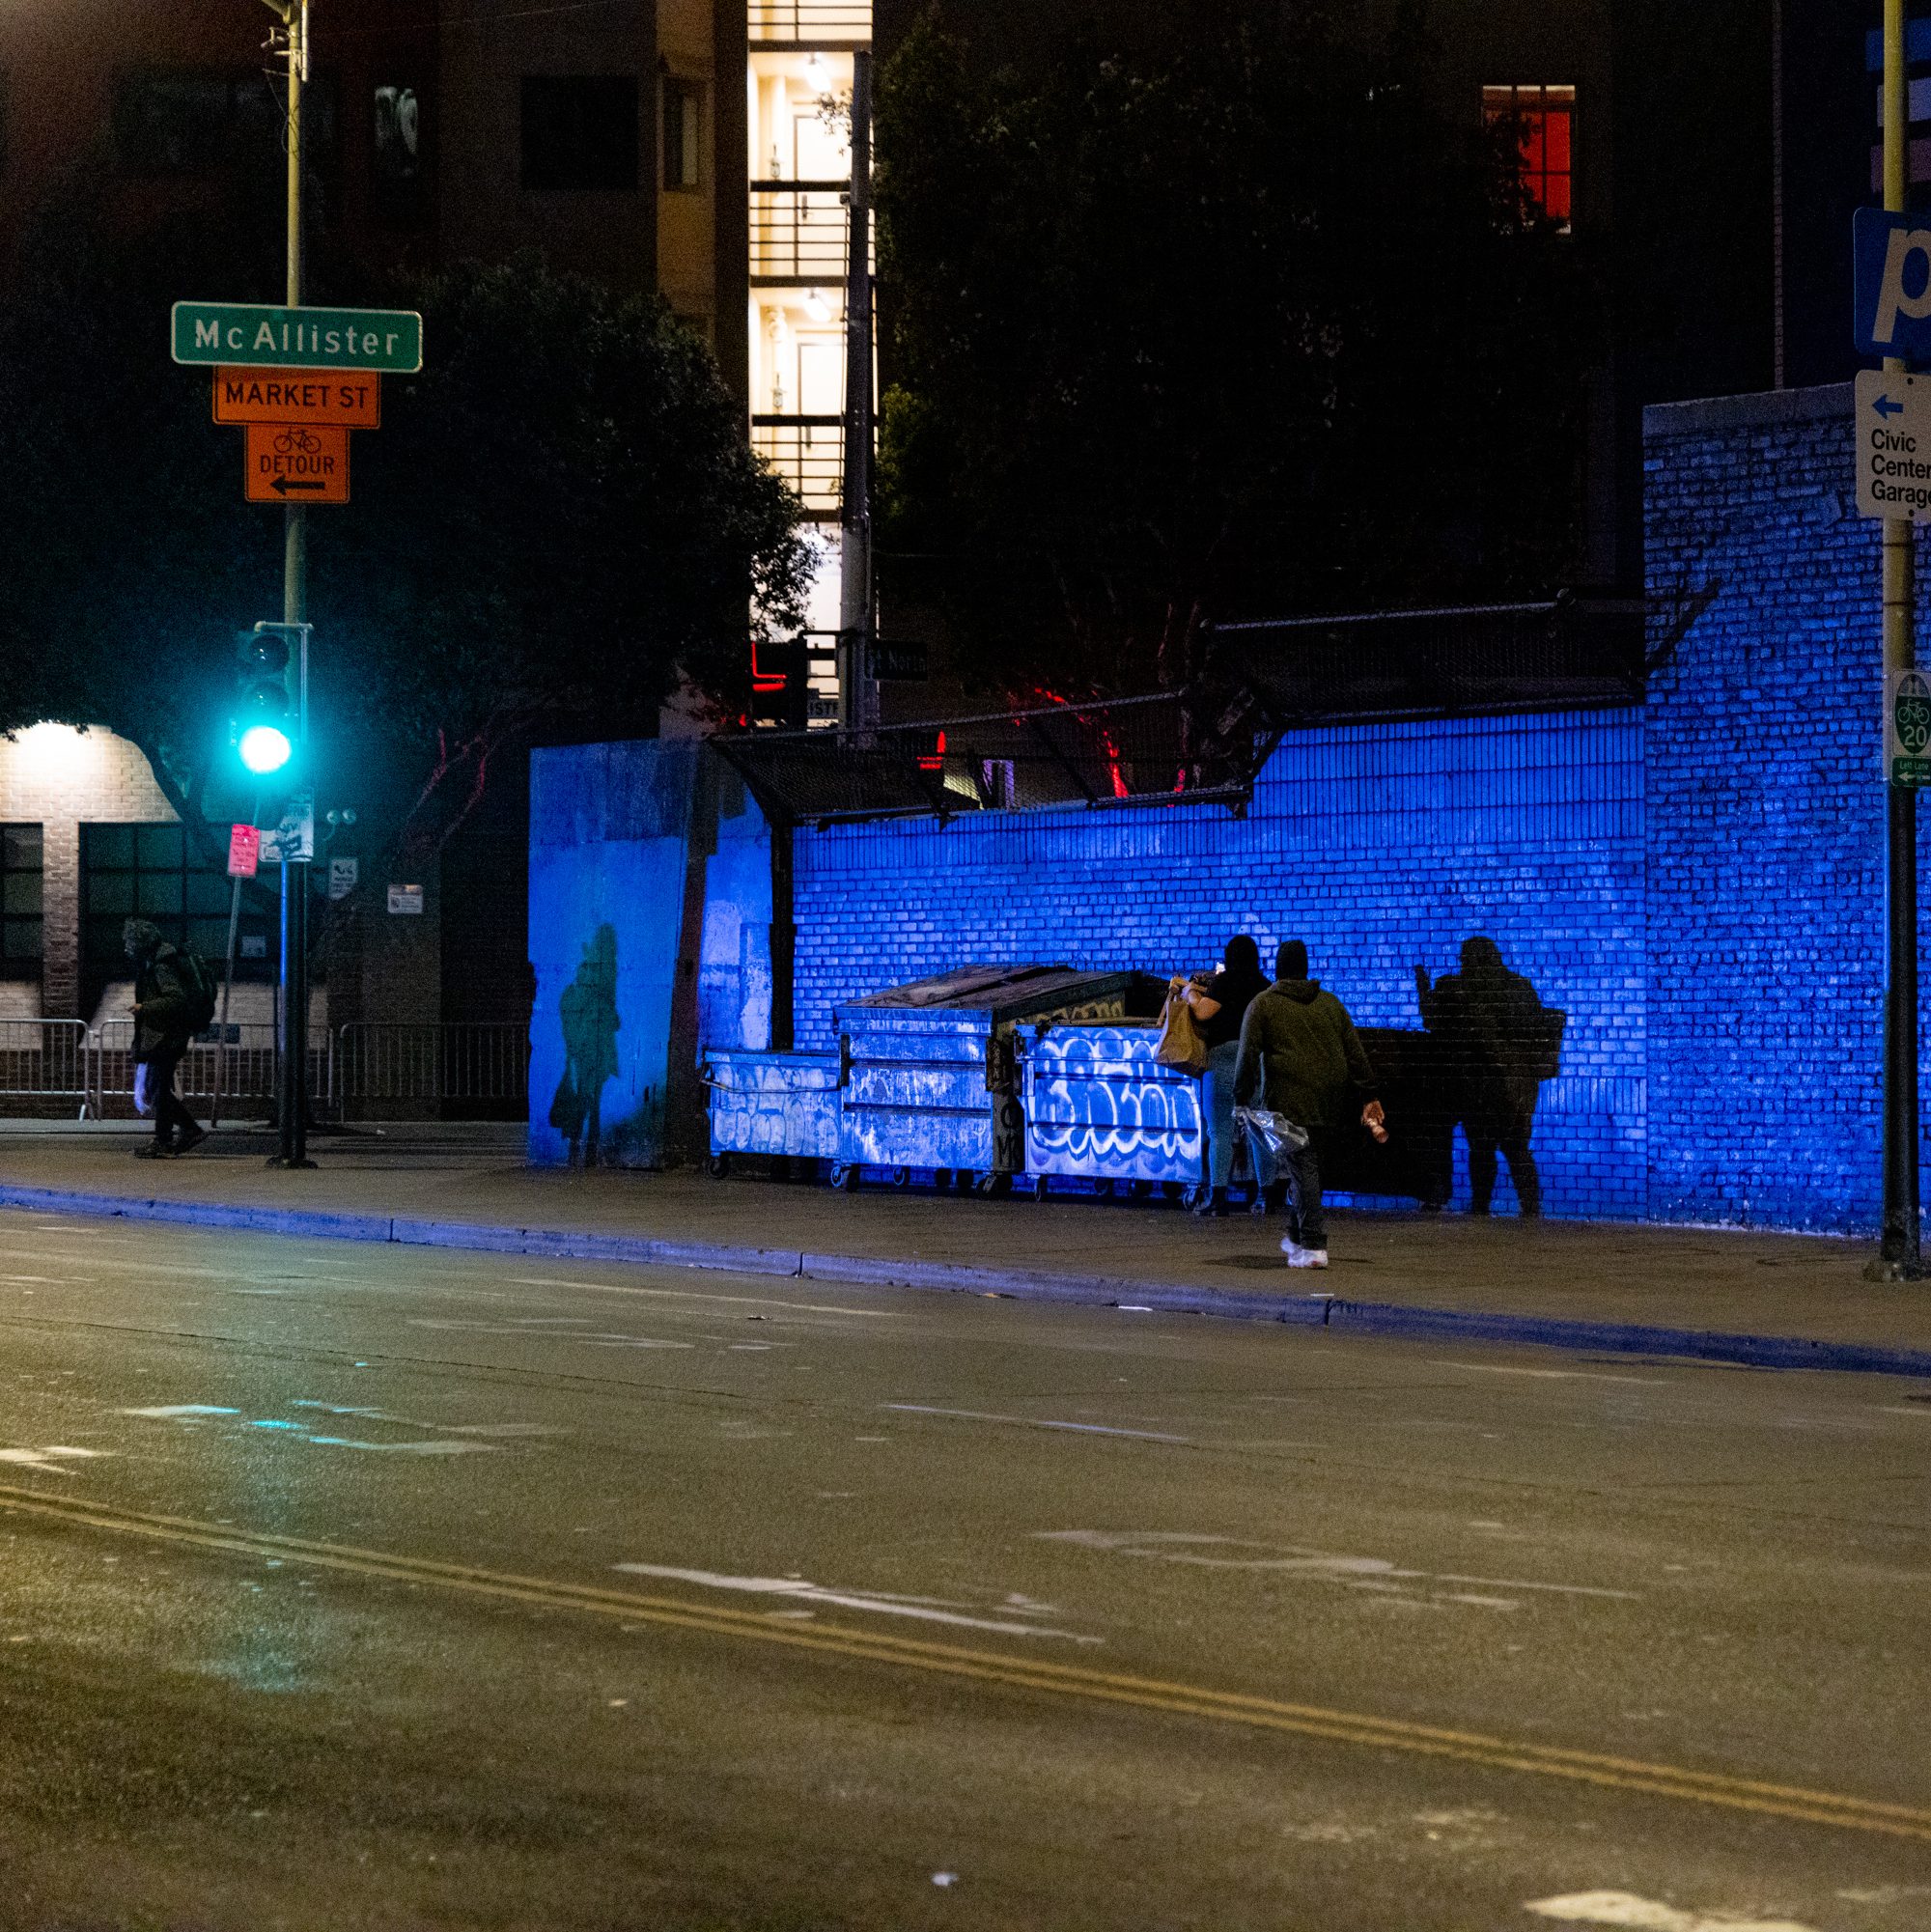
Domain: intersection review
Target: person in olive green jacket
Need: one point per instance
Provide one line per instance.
(1299, 1050)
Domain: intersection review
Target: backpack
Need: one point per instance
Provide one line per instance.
(198, 984)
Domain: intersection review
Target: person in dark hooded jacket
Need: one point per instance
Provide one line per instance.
(164, 1022)
(1299, 1049)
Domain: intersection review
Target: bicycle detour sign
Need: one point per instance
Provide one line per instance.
(297, 416)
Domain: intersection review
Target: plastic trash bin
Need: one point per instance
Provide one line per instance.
(783, 1105)
(932, 1077)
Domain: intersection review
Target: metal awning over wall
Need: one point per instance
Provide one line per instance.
(1206, 744)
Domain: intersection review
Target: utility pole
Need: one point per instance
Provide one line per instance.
(1898, 1248)
(858, 694)
(291, 1087)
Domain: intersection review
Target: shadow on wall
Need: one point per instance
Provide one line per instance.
(1498, 1044)
(590, 1023)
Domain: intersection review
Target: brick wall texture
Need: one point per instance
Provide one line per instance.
(1382, 847)
(1765, 813)
(1697, 882)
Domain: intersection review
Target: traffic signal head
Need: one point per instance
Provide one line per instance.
(264, 706)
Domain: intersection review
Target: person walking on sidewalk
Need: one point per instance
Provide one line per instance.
(172, 1004)
(1299, 1050)
(1220, 1004)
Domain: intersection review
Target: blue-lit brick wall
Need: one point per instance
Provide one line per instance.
(1382, 847)
(1766, 818)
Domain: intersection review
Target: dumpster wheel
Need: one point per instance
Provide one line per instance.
(900, 1177)
(1039, 1187)
(994, 1185)
(845, 1175)
(720, 1165)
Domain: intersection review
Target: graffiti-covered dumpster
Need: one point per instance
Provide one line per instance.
(1099, 1108)
(932, 1076)
(783, 1106)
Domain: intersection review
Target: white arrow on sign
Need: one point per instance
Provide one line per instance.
(1894, 445)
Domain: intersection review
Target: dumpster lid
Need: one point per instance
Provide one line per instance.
(1001, 991)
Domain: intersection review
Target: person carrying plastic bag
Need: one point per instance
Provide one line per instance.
(1302, 1057)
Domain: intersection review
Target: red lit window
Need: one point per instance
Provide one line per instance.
(1544, 121)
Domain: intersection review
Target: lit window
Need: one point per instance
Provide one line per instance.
(683, 118)
(1543, 120)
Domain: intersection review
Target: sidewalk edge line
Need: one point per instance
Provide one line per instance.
(1316, 1310)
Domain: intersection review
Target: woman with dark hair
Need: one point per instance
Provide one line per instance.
(1220, 1004)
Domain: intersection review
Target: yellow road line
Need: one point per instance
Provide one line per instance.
(1053, 1679)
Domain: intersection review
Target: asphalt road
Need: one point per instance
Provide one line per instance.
(354, 1587)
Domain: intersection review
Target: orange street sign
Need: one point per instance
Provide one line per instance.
(312, 396)
(289, 462)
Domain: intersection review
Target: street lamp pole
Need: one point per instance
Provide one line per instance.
(291, 1087)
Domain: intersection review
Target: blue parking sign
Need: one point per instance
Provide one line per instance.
(1891, 283)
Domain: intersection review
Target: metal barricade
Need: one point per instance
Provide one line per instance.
(45, 1067)
(476, 1070)
(239, 1066)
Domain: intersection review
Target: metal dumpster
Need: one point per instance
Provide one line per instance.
(1100, 1107)
(784, 1105)
(932, 1077)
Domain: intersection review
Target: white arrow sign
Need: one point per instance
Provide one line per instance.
(1893, 454)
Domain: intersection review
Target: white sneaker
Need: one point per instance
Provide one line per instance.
(1303, 1257)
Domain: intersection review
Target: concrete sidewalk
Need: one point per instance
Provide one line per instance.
(1782, 1301)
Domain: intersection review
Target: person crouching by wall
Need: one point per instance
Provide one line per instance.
(1220, 1006)
(1300, 1048)
(166, 991)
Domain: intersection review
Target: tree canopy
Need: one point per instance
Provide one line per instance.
(558, 522)
(1222, 318)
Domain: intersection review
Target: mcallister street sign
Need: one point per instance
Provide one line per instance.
(383, 340)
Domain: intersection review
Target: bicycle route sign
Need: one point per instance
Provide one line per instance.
(366, 340)
(292, 462)
(1907, 728)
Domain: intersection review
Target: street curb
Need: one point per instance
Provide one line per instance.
(1303, 1310)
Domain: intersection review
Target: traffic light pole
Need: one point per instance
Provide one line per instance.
(292, 1095)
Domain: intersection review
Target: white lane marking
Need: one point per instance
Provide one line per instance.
(1546, 1374)
(416, 1422)
(799, 1590)
(1032, 1422)
(399, 1448)
(607, 1339)
(1179, 1546)
(174, 1411)
(50, 1280)
(1647, 1914)
(694, 1294)
(48, 1457)
(1898, 1409)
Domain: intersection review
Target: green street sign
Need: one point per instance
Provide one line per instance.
(1907, 706)
(247, 334)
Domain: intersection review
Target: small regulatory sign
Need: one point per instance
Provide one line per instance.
(292, 462)
(1907, 727)
(298, 396)
(1893, 446)
(405, 898)
(244, 852)
(343, 874)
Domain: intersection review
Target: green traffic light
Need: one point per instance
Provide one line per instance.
(265, 748)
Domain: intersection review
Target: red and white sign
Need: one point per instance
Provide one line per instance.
(244, 852)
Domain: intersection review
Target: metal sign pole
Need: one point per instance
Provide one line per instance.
(1898, 1253)
(292, 1087)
